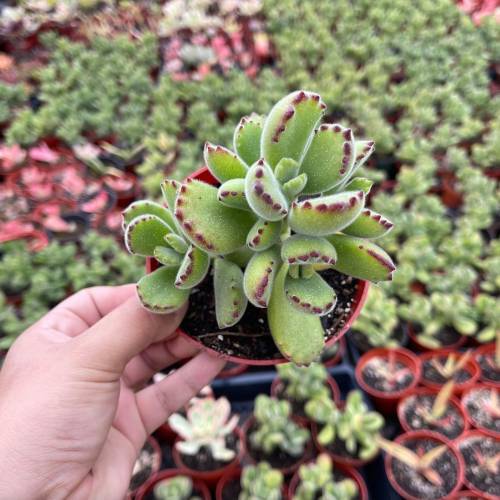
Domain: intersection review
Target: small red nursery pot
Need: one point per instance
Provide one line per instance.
(451, 339)
(466, 495)
(147, 465)
(415, 413)
(480, 454)
(212, 340)
(435, 372)
(232, 370)
(199, 487)
(485, 359)
(387, 375)
(481, 405)
(277, 463)
(210, 477)
(346, 472)
(447, 468)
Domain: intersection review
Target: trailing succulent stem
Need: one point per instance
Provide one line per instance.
(288, 207)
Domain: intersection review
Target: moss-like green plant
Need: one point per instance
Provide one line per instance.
(317, 482)
(261, 482)
(274, 428)
(268, 204)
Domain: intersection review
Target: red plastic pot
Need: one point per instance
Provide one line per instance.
(350, 472)
(339, 355)
(473, 423)
(415, 343)
(156, 464)
(471, 366)
(485, 350)
(210, 477)
(286, 471)
(427, 435)
(469, 495)
(422, 391)
(387, 402)
(332, 385)
(474, 492)
(204, 175)
(148, 487)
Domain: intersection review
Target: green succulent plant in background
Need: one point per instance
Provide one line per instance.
(288, 206)
(261, 482)
(178, 488)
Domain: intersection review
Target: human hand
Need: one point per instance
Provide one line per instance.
(71, 423)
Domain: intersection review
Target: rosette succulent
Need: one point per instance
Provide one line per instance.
(287, 207)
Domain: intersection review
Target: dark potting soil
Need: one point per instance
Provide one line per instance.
(278, 459)
(489, 370)
(417, 485)
(431, 374)
(451, 424)
(477, 403)
(337, 447)
(477, 473)
(232, 489)
(380, 382)
(250, 338)
(447, 336)
(204, 461)
(363, 345)
(143, 468)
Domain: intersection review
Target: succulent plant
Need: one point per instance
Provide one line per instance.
(317, 482)
(355, 425)
(267, 204)
(453, 363)
(261, 482)
(302, 383)
(178, 488)
(439, 406)
(207, 424)
(275, 430)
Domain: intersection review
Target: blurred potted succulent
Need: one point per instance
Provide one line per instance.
(272, 436)
(423, 464)
(488, 359)
(348, 431)
(441, 413)
(481, 456)
(299, 384)
(147, 464)
(268, 236)
(210, 442)
(321, 479)
(172, 483)
(443, 365)
(481, 405)
(388, 375)
(333, 354)
(11, 158)
(254, 482)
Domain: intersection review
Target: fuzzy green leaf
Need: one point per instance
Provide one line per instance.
(223, 164)
(193, 269)
(246, 140)
(157, 292)
(369, 224)
(299, 336)
(300, 249)
(264, 194)
(327, 214)
(364, 150)
(289, 126)
(177, 243)
(232, 194)
(167, 257)
(286, 170)
(359, 183)
(207, 223)
(259, 276)
(263, 235)
(295, 186)
(145, 207)
(361, 258)
(329, 158)
(169, 189)
(241, 257)
(230, 299)
(313, 295)
(144, 233)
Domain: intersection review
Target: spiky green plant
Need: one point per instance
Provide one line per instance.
(317, 482)
(261, 482)
(287, 202)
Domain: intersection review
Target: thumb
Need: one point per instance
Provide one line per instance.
(125, 332)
